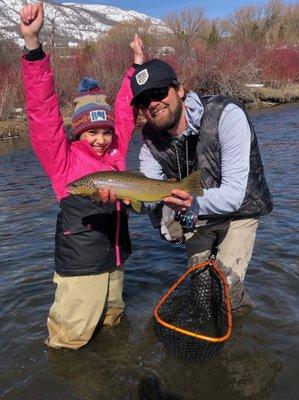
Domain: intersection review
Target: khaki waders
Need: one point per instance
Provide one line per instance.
(80, 303)
(234, 240)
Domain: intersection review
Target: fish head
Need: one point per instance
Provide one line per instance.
(83, 187)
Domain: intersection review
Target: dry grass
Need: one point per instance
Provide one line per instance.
(285, 94)
(13, 128)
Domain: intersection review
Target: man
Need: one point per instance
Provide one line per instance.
(185, 132)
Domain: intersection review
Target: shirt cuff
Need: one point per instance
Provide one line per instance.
(35, 54)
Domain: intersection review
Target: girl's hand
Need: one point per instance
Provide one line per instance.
(31, 22)
(137, 48)
(107, 196)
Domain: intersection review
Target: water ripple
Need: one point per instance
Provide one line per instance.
(127, 362)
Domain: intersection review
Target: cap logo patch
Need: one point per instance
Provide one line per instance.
(98, 115)
(142, 77)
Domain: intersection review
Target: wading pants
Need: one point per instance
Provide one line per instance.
(232, 242)
(80, 303)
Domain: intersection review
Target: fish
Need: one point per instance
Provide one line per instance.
(134, 186)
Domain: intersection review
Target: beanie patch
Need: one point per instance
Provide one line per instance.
(98, 115)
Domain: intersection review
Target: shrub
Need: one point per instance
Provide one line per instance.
(11, 91)
(222, 70)
(280, 66)
(11, 87)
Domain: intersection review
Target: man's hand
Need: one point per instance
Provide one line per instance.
(31, 22)
(179, 200)
(137, 48)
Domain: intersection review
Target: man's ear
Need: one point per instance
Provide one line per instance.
(181, 91)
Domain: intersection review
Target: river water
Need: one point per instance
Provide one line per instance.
(260, 361)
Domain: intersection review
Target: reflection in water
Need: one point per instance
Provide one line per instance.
(150, 389)
(12, 145)
(127, 362)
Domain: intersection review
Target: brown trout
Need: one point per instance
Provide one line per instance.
(134, 186)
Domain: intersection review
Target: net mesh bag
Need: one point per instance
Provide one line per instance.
(193, 319)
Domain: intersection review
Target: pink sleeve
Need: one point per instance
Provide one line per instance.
(47, 132)
(125, 115)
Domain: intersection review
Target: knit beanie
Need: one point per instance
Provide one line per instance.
(91, 109)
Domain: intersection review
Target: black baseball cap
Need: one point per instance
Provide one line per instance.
(150, 75)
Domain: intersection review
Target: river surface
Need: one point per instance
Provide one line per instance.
(259, 362)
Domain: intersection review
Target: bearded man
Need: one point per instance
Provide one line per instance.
(185, 132)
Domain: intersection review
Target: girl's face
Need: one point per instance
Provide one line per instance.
(99, 138)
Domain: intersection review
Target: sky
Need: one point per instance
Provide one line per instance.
(160, 8)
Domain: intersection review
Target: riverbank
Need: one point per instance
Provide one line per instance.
(265, 97)
(268, 96)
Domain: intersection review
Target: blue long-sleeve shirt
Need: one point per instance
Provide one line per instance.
(234, 138)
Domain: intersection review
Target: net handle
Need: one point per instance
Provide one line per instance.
(213, 264)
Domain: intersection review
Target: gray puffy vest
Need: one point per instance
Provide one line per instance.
(203, 152)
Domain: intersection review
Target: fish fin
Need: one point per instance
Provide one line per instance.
(192, 184)
(136, 205)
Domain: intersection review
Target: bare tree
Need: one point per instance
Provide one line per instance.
(124, 32)
(253, 22)
(187, 26)
(290, 23)
(270, 14)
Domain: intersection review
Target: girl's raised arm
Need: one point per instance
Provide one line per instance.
(125, 114)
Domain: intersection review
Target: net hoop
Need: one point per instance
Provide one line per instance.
(211, 264)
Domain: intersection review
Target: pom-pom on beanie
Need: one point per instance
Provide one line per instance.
(91, 108)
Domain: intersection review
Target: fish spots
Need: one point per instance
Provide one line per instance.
(127, 185)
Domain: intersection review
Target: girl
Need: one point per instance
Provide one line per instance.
(92, 240)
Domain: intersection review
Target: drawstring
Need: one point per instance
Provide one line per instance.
(187, 219)
(178, 159)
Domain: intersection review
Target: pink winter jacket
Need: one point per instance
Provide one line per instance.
(62, 160)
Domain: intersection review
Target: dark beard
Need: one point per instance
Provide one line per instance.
(172, 121)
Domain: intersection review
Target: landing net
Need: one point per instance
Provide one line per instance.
(193, 319)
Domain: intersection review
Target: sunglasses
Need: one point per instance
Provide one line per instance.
(144, 100)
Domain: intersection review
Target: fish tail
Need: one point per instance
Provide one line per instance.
(192, 184)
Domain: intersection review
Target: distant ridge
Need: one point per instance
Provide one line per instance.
(68, 23)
